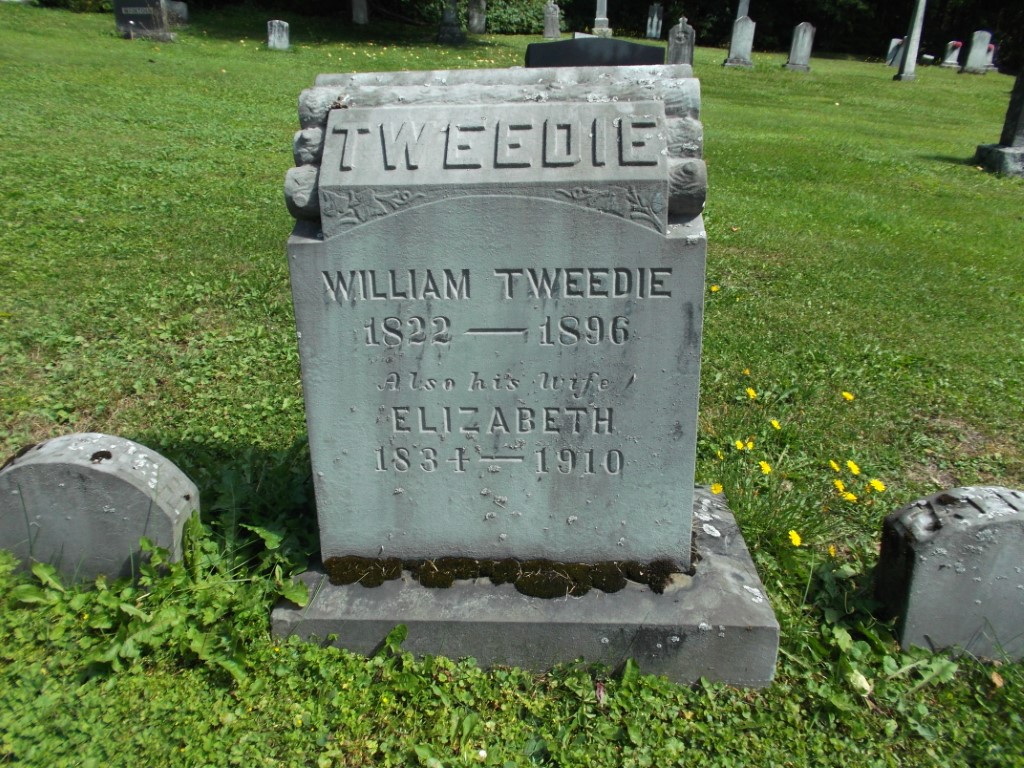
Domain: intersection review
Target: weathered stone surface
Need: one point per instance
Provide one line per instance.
(177, 13)
(450, 31)
(951, 571)
(360, 13)
(277, 35)
(977, 54)
(681, 40)
(687, 185)
(142, 18)
(1007, 157)
(82, 502)
(593, 52)
(654, 20)
(477, 21)
(1013, 125)
(552, 21)
(601, 28)
(895, 53)
(742, 43)
(715, 624)
(301, 192)
(308, 146)
(800, 48)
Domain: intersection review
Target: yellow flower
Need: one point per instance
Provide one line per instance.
(848, 396)
(853, 467)
(750, 445)
(831, 550)
(746, 371)
(832, 463)
(877, 484)
(720, 455)
(840, 485)
(766, 468)
(751, 393)
(739, 445)
(714, 288)
(794, 537)
(849, 496)
(716, 488)
(775, 423)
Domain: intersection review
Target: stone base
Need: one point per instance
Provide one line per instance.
(1009, 161)
(797, 67)
(736, 62)
(716, 624)
(907, 77)
(602, 31)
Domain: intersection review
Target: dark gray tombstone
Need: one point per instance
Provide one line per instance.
(800, 48)
(742, 44)
(142, 18)
(977, 54)
(593, 52)
(82, 502)
(477, 16)
(654, 19)
(951, 571)
(451, 31)
(681, 41)
(1007, 157)
(277, 35)
(360, 13)
(552, 21)
(911, 44)
(498, 299)
(951, 56)
(601, 28)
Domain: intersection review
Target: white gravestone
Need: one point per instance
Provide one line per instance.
(911, 44)
(654, 19)
(892, 57)
(681, 40)
(360, 13)
(277, 35)
(977, 54)
(800, 49)
(951, 56)
(552, 19)
(742, 43)
(1007, 157)
(477, 20)
(601, 28)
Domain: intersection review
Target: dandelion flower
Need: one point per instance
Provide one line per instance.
(849, 496)
(794, 537)
(751, 393)
(832, 463)
(739, 445)
(831, 550)
(746, 371)
(852, 466)
(720, 455)
(766, 468)
(775, 424)
(877, 484)
(715, 288)
(848, 396)
(716, 488)
(840, 485)
(750, 445)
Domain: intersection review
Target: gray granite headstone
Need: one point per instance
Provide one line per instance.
(800, 48)
(360, 13)
(951, 570)
(451, 32)
(741, 44)
(601, 28)
(552, 21)
(277, 35)
(654, 19)
(892, 57)
(911, 44)
(1007, 157)
(681, 39)
(977, 54)
(951, 56)
(743, 9)
(142, 18)
(477, 21)
(83, 501)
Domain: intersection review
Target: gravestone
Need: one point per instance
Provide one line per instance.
(360, 13)
(911, 45)
(142, 18)
(654, 18)
(601, 28)
(592, 52)
(977, 54)
(990, 57)
(951, 56)
(498, 296)
(277, 35)
(1007, 157)
(450, 31)
(742, 9)
(681, 39)
(83, 501)
(892, 58)
(951, 571)
(741, 44)
(477, 16)
(552, 21)
(800, 48)
(177, 13)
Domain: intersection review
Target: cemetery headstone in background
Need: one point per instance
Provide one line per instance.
(742, 44)
(742, 9)
(892, 58)
(990, 57)
(800, 49)
(477, 21)
(142, 18)
(951, 571)
(552, 21)
(593, 52)
(601, 28)
(360, 13)
(911, 45)
(499, 304)
(450, 32)
(977, 54)
(951, 56)
(277, 35)
(681, 39)
(1007, 157)
(82, 502)
(654, 19)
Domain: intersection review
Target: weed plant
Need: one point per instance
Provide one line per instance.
(862, 347)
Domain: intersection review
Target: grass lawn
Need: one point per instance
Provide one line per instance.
(863, 323)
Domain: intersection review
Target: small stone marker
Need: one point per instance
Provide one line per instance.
(654, 17)
(681, 39)
(552, 21)
(911, 45)
(800, 49)
(477, 16)
(277, 35)
(977, 54)
(498, 298)
(601, 28)
(1007, 157)
(892, 58)
(82, 502)
(951, 571)
(741, 44)
(990, 58)
(951, 56)
(142, 18)
(360, 13)
(450, 31)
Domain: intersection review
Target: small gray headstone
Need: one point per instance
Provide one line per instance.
(951, 571)
(142, 18)
(892, 58)
(277, 35)
(552, 21)
(451, 32)
(82, 502)
(951, 56)
(681, 39)
(601, 28)
(800, 49)
(742, 43)
(360, 13)
(477, 21)
(654, 16)
(911, 44)
(1007, 157)
(977, 54)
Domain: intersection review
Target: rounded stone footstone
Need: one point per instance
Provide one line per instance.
(83, 501)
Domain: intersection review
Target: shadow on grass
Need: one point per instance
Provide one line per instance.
(950, 160)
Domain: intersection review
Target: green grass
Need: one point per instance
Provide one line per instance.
(853, 247)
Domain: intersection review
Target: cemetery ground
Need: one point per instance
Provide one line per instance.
(862, 348)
